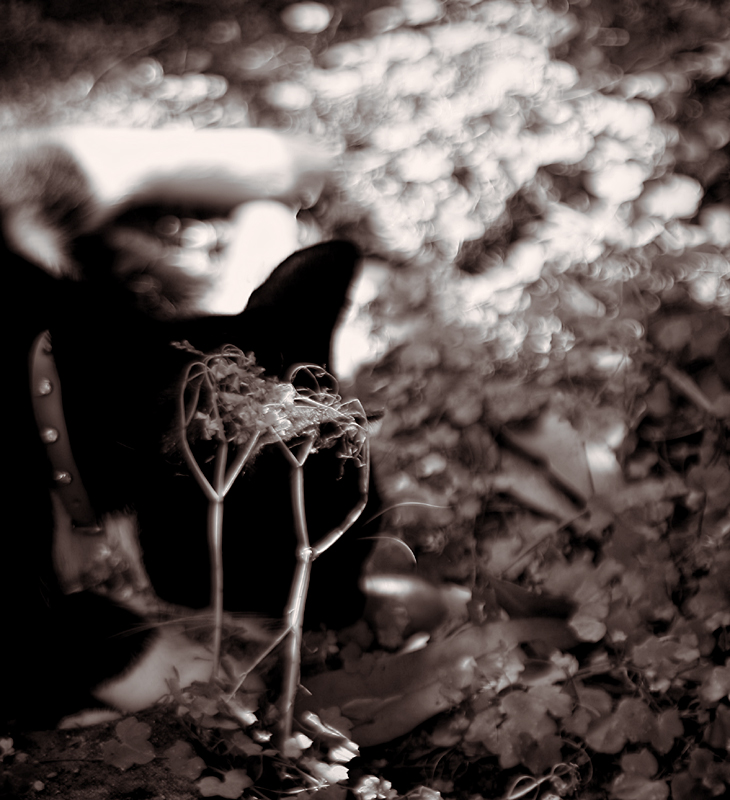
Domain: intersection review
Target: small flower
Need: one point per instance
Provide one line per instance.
(235, 400)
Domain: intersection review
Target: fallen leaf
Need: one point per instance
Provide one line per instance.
(393, 694)
(553, 440)
(524, 481)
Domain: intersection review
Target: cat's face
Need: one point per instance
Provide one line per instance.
(122, 374)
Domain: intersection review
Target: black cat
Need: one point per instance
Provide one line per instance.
(120, 375)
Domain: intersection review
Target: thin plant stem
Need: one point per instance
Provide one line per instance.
(215, 548)
(198, 474)
(240, 462)
(297, 596)
(273, 644)
(223, 479)
(363, 485)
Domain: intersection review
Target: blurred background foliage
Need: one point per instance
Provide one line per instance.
(541, 191)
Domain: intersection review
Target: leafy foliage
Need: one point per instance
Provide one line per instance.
(132, 745)
(232, 401)
(549, 182)
(232, 786)
(635, 782)
(183, 761)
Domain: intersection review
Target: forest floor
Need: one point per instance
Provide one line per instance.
(541, 192)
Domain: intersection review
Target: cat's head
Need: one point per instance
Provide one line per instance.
(123, 376)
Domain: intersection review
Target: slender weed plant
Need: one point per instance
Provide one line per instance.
(226, 399)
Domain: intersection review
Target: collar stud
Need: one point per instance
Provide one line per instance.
(49, 435)
(62, 478)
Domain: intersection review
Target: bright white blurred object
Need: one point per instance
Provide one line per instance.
(716, 221)
(215, 168)
(355, 343)
(425, 164)
(288, 96)
(674, 197)
(335, 84)
(264, 233)
(617, 183)
(383, 19)
(306, 17)
(522, 265)
(630, 119)
(419, 12)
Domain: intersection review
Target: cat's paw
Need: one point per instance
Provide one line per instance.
(170, 655)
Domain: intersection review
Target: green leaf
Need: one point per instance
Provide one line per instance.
(717, 734)
(552, 699)
(632, 721)
(668, 728)
(133, 746)
(245, 744)
(181, 760)
(716, 686)
(526, 736)
(637, 718)
(542, 754)
(641, 763)
(592, 704)
(637, 787)
(661, 659)
(232, 786)
(334, 718)
(332, 792)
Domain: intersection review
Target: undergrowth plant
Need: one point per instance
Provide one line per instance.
(225, 398)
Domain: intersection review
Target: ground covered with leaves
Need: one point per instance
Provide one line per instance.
(541, 190)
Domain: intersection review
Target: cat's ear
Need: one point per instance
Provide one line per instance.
(291, 317)
(46, 200)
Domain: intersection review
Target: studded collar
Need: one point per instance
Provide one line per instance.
(48, 409)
